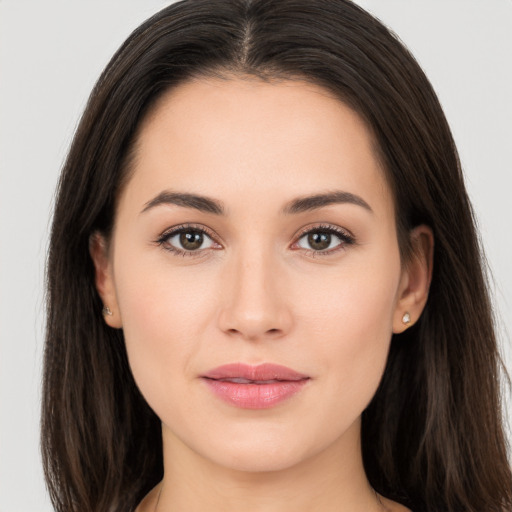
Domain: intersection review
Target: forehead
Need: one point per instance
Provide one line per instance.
(284, 138)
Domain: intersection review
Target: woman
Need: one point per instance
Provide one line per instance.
(265, 288)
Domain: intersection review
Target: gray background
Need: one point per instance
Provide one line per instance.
(51, 53)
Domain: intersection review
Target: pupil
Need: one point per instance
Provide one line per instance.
(191, 240)
(319, 241)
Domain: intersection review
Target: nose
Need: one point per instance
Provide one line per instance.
(254, 297)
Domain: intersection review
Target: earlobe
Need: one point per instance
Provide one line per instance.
(415, 281)
(103, 279)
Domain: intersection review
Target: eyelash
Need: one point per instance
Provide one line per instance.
(345, 237)
(185, 228)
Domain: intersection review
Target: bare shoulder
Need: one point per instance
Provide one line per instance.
(150, 501)
(393, 506)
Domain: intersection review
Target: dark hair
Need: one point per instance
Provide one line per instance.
(432, 436)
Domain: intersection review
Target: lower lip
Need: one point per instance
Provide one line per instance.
(255, 396)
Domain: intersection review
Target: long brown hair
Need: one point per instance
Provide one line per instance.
(432, 436)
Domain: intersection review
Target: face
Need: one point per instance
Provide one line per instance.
(291, 260)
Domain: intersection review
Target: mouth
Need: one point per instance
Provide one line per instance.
(247, 381)
(254, 387)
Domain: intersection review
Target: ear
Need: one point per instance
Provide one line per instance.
(104, 279)
(415, 280)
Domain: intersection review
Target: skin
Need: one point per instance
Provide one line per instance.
(255, 292)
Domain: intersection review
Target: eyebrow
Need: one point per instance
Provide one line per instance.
(314, 202)
(198, 202)
(298, 205)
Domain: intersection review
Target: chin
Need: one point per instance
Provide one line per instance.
(260, 448)
(255, 458)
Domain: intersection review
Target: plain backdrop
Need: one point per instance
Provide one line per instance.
(51, 53)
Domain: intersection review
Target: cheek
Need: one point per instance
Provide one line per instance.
(163, 316)
(355, 301)
(351, 322)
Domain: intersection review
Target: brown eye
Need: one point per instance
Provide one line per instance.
(188, 240)
(319, 241)
(324, 240)
(191, 240)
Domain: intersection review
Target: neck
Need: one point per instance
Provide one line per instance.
(333, 480)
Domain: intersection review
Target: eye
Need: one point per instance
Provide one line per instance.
(187, 240)
(324, 240)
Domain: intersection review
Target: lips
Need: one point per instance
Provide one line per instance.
(254, 387)
(260, 373)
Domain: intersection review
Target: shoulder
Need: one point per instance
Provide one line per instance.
(393, 506)
(150, 501)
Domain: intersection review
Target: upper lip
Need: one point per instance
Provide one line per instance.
(262, 372)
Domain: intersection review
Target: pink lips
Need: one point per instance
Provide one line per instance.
(254, 387)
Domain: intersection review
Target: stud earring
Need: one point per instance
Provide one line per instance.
(106, 311)
(406, 319)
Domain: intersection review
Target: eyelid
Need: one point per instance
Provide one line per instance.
(188, 226)
(343, 232)
(345, 236)
(175, 230)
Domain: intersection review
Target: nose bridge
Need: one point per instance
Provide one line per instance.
(254, 304)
